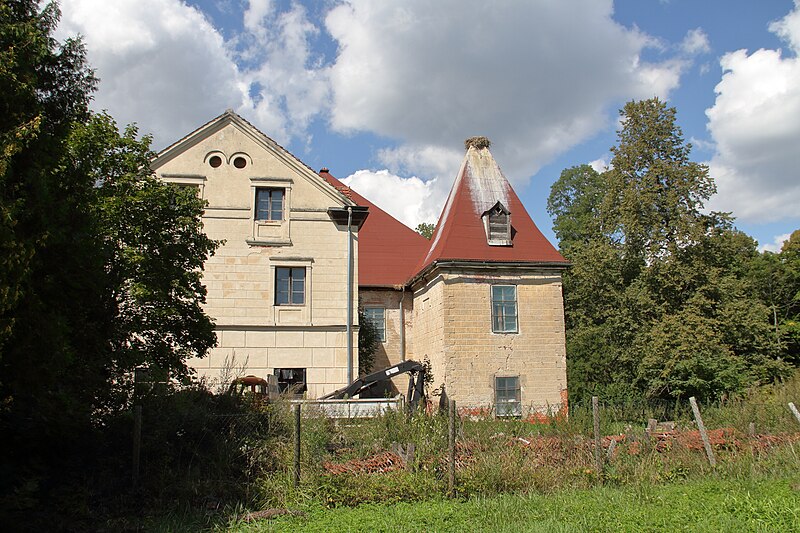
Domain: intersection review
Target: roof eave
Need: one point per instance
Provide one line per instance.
(493, 265)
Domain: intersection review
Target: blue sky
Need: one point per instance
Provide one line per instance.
(384, 93)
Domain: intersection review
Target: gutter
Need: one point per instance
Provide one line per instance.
(491, 265)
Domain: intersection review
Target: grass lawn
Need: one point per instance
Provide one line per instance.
(699, 505)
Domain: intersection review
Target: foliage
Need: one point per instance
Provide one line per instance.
(659, 302)
(425, 229)
(776, 278)
(368, 341)
(44, 88)
(100, 263)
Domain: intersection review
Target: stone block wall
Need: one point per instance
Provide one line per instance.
(472, 355)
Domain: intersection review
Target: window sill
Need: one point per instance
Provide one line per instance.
(259, 242)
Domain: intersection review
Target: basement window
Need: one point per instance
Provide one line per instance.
(507, 396)
(291, 380)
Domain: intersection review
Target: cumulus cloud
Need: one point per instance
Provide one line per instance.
(776, 245)
(755, 123)
(536, 78)
(163, 65)
(160, 62)
(695, 42)
(601, 164)
(409, 200)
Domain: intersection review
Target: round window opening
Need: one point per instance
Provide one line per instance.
(215, 161)
(240, 162)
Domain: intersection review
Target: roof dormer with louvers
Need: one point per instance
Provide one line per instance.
(484, 220)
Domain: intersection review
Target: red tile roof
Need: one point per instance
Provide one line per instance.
(460, 234)
(388, 250)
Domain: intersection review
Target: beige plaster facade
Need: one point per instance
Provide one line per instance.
(255, 335)
(440, 313)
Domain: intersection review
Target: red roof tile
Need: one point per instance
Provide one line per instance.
(388, 250)
(460, 234)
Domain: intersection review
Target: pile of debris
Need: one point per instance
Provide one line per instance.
(377, 464)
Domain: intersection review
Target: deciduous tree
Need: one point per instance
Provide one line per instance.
(658, 302)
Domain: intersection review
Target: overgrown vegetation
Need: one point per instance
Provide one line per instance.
(349, 470)
(665, 300)
(100, 267)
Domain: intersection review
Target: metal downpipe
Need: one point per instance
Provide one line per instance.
(349, 295)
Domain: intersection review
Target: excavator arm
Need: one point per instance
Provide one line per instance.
(416, 383)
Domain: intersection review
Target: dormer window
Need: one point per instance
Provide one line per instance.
(497, 223)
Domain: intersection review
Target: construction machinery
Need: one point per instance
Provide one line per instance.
(416, 383)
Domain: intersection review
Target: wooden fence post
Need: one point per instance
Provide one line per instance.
(598, 460)
(137, 443)
(451, 441)
(297, 445)
(794, 411)
(703, 434)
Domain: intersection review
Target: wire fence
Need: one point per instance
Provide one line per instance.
(460, 451)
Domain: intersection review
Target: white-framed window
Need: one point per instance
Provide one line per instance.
(504, 309)
(507, 396)
(377, 317)
(290, 285)
(269, 203)
(497, 223)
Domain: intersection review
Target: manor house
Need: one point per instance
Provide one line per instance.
(481, 301)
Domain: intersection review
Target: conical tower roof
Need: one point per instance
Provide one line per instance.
(461, 233)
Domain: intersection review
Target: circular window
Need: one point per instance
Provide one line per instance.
(215, 161)
(240, 162)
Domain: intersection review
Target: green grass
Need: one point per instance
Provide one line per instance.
(697, 505)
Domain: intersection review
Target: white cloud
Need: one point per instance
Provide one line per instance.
(409, 200)
(163, 65)
(536, 78)
(160, 63)
(755, 123)
(695, 42)
(601, 164)
(776, 244)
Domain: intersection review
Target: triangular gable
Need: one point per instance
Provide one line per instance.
(229, 117)
(460, 234)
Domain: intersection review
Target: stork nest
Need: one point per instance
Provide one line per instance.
(477, 142)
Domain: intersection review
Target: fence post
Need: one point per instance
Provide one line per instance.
(297, 445)
(794, 411)
(598, 460)
(703, 434)
(137, 443)
(451, 441)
